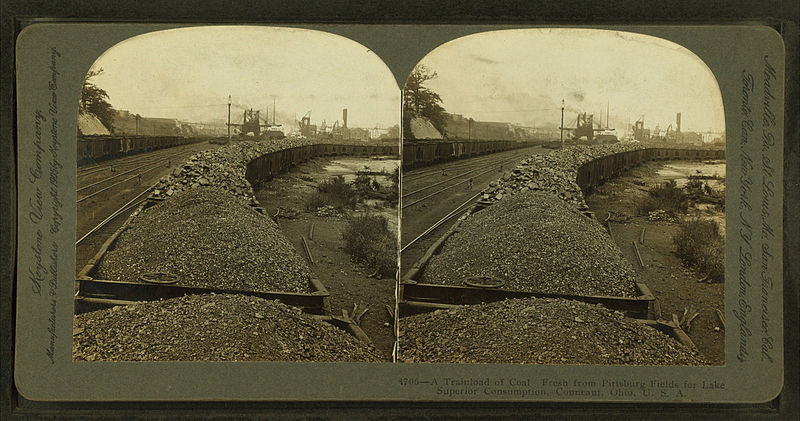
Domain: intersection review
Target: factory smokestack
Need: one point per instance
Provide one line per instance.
(678, 123)
(344, 117)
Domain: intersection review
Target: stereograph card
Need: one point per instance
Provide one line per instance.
(210, 254)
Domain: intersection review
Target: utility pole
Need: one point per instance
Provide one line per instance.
(562, 123)
(229, 118)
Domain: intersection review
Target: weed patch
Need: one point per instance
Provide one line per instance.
(369, 241)
(335, 193)
(666, 196)
(700, 246)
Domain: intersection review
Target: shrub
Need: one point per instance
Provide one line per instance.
(363, 185)
(392, 195)
(369, 241)
(333, 192)
(667, 196)
(393, 191)
(700, 245)
(694, 188)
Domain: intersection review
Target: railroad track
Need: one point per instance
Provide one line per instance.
(455, 212)
(144, 167)
(119, 194)
(114, 215)
(127, 161)
(457, 181)
(461, 164)
(126, 167)
(472, 170)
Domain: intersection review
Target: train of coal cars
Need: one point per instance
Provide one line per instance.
(99, 148)
(415, 153)
(268, 165)
(418, 153)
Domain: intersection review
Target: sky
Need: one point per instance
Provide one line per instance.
(188, 74)
(521, 76)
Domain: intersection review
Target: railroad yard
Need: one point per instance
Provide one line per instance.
(442, 191)
(202, 254)
(504, 247)
(499, 220)
(104, 188)
(531, 275)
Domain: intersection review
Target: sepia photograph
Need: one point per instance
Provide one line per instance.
(237, 192)
(410, 216)
(563, 202)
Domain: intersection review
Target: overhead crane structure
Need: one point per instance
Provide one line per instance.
(584, 126)
(252, 123)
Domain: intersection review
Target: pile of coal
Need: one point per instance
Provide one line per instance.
(536, 242)
(224, 168)
(555, 172)
(537, 331)
(209, 238)
(212, 328)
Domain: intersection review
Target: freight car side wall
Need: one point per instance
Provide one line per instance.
(422, 153)
(570, 173)
(265, 167)
(599, 170)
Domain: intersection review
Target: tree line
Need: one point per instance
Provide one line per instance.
(94, 100)
(421, 101)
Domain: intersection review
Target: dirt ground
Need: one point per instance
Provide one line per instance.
(675, 287)
(347, 282)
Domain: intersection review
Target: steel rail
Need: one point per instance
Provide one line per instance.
(441, 221)
(480, 167)
(115, 214)
(441, 190)
(116, 184)
(463, 162)
(156, 160)
(86, 170)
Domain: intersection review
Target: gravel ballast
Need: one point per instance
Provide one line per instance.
(534, 242)
(208, 238)
(537, 331)
(212, 328)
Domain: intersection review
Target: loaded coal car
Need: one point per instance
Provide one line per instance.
(95, 148)
(458, 149)
(418, 153)
(444, 151)
(493, 265)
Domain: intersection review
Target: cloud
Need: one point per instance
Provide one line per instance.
(483, 59)
(591, 70)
